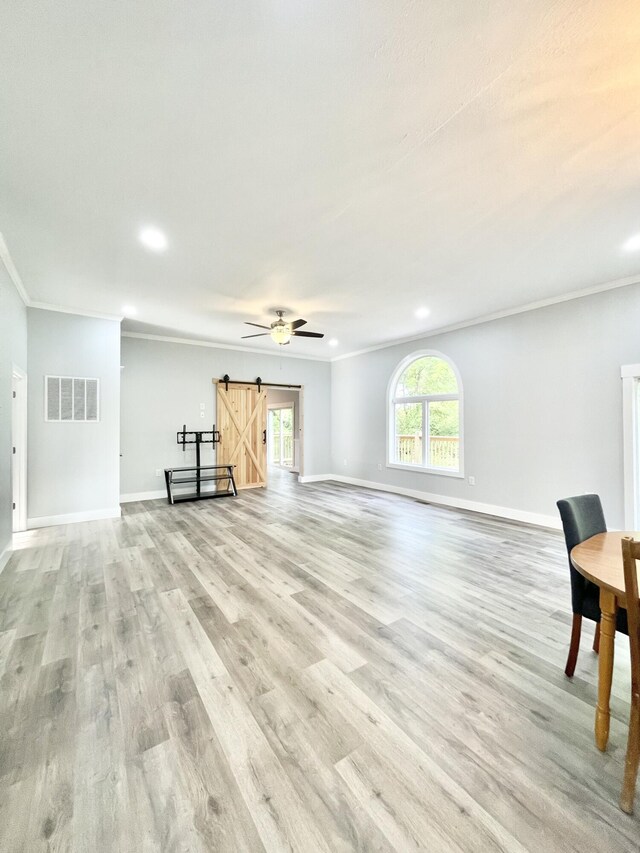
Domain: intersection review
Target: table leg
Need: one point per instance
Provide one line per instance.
(605, 664)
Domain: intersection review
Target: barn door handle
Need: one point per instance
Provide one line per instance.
(264, 436)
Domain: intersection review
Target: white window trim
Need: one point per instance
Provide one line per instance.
(391, 400)
(630, 374)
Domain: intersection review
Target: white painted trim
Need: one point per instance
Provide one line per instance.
(63, 309)
(5, 555)
(630, 374)
(14, 275)
(19, 440)
(437, 472)
(73, 517)
(425, 398)
(5, 257)
(509, 513)
(499, 315)
(441, 500)
(391, 400)
(194, 343)
(143, 496)
(301, 438)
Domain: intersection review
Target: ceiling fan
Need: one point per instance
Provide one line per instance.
(281, 331)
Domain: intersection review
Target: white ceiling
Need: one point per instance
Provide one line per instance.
(349, 161)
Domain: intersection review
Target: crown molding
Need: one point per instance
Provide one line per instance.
(62, 309)
(13, 272)
(498, 315)
(10, 267)
(14, 275)
(190, 342)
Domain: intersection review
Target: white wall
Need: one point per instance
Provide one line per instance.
(542, 406)
(73, 467)
(164, 383)
(13, 351)
(281, 396)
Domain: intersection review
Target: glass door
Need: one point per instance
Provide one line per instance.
(280, 434)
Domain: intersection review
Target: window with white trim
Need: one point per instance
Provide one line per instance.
(425, 415)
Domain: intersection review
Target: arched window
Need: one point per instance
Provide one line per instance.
(425, 415)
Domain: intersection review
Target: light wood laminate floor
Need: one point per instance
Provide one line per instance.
(306, 668)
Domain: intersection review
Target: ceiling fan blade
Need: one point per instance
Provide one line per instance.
(308, 334)
(297, 323)
(257, 325)
(259, 335)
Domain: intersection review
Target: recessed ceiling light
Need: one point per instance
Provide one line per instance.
(153, 238)
(421, 313)
(129, 311)
(632, 244)
(333, 342)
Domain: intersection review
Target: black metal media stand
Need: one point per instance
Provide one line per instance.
(199, 474)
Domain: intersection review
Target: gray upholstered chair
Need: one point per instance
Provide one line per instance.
(582, 517)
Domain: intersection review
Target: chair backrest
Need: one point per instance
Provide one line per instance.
(582, 517)
(631, 553)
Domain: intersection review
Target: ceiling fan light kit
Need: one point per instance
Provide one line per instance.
(281, 331)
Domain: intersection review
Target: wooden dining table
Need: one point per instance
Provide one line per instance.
(599, 559)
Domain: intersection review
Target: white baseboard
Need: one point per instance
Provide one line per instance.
(457, 503)
(143, 496)
(73, 517)
(441, 500)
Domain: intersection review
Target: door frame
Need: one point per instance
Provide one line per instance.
(19, 442)
(630, 374)
(286, 404)
(300, 390)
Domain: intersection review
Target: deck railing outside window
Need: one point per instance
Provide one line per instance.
(444, 450)
(287, 450)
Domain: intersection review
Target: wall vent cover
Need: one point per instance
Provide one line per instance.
(71, 399)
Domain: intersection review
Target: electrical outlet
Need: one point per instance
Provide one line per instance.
(203, 406)
(201, 414)
(344, 462)
(158, 472)
(472, 481)
(379, 466)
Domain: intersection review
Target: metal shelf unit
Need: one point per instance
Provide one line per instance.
(198, 474)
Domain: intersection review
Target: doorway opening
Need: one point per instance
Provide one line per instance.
(280, 433)
(283, 429)
(19, 449)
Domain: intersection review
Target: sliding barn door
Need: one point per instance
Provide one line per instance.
(242, 421)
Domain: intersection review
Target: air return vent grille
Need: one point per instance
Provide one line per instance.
(71, 399)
